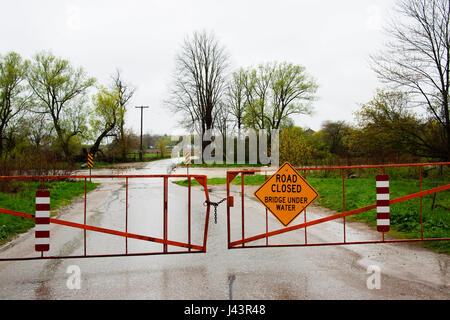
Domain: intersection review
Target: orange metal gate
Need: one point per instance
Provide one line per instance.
(237, 220)
(165, 241)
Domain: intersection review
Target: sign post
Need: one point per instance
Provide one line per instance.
(383, 204)
(286, 194)
(42, 221)
(187, 161)
(90, 162)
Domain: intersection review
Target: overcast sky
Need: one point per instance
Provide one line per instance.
(332, 39)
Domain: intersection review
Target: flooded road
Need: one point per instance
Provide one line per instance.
(406, 271)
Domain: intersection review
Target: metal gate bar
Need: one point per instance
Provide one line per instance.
(243, 242)
(191, 248)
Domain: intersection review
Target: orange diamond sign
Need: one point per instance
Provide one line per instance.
(286, 194)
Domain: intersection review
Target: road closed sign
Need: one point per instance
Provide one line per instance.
(286, 194)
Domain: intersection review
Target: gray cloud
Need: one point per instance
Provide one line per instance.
(332, 39)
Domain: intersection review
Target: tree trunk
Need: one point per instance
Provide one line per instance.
(93, 150)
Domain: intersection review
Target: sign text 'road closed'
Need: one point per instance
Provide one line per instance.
(286, 194)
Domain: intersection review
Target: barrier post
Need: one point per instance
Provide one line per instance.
(165, 215)
(85, 208)
(420, 200)
(242, 205)
(189, 211)
(304, 218)
(126, 214)
(343, 199)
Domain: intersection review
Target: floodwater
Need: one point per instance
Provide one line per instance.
(406, 271)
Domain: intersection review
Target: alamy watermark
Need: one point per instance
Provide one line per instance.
(374, 280)
(74, 280)
(255, 147)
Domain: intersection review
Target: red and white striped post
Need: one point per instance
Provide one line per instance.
(42, 221)
(383, 209)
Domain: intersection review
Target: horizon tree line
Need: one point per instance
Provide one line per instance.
(45, 101)
(412, 110)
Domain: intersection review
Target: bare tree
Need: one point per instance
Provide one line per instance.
(199, 81)
(39, 130)
(417, 58)
(222, 117)
(123, 93)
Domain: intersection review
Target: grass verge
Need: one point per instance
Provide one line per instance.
(20, 196)
(222, 165)
(361, 192)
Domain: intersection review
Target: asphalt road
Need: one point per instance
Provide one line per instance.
(406, 271)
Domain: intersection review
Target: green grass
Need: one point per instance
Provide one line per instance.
(248, 180)
(361, 192)
(149, 156)
(222, 165)
(22, 198)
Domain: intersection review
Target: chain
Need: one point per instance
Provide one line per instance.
(215, 205)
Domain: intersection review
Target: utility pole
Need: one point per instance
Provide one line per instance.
(142, 113)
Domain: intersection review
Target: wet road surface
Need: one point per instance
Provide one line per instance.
(407, 271)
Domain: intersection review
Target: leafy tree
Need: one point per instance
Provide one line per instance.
(334, 136)
(372, 142)
(107, 115)
(388, 127)
(316, 140)
(162, 147)
(60, 91)
(274, 92)
(235, 98)
(294, 147)
(128, 144)
(257, 86)
(292, 91)
(14, 94)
